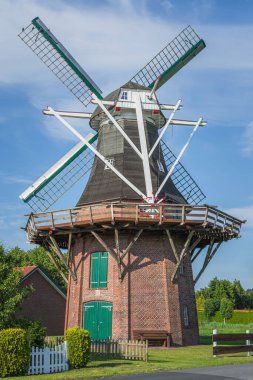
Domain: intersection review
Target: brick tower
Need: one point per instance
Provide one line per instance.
(137, 227)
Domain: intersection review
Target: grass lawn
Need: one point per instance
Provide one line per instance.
(160, 359)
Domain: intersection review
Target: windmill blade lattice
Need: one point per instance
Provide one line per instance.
(171, 59)
(181, 178)
(55, 56)
(61, 177)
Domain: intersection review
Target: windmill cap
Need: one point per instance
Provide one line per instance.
(98, 113)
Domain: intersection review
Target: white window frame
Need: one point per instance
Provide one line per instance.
(124, 95)
(111, 161)
(186, 316)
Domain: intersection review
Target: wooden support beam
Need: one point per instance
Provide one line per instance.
(104, 245)
(196, 254)
(69, 248)
(136, 237)
(56, 264)
(109, 250)
(194, 245)
(209, 255)
(183, 254)
(116, 232)
(172, 244)
(57, 250)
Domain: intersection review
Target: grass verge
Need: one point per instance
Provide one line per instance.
(159, 360)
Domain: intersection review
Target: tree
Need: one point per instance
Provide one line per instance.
(210, 308)
(226, 309)
(240, 295)
(11, 295)
(37, 256)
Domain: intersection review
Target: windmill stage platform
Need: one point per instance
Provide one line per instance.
(207, 221)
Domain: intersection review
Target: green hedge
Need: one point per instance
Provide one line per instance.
(14, 352)
(239, 317)
(78, 347)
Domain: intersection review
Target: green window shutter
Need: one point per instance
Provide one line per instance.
(94, 278)
(103, 269)
(99, 266)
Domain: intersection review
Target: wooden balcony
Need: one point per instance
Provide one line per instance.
(205, 219)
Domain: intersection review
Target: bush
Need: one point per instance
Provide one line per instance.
(78, 347)
(14, 352)
(35, 332)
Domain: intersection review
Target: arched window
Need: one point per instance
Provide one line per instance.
(98, 270)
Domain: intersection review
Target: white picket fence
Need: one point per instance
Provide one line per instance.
(48, 359)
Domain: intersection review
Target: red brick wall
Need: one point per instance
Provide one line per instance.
(44, 304)
(145, 298)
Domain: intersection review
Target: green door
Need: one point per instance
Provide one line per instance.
(98, 319)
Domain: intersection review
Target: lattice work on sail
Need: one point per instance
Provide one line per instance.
(170, 59)
(56, 181)
(46, 46)
(181, 178)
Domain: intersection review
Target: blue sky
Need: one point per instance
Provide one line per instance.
(112, 40)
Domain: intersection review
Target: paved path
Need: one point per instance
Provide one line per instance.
(228, 372)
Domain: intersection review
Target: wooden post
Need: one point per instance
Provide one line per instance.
(248, 343)
(215, 344)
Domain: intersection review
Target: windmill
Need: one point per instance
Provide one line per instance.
(137, 226)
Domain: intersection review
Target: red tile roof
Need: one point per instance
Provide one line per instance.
(28, 269)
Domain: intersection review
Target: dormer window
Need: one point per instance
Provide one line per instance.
(124, 95)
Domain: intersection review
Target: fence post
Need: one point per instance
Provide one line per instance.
(215, 344)
(248, 343)
(65, 345)
(47, 360)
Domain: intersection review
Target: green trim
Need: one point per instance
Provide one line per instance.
(176, 66)
(52, 42)
(71, 159)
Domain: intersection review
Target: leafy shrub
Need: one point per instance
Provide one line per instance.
(78, 347)
(35, 332)
(14, 352)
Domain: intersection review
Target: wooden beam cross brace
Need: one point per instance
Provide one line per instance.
(183, 253)
(57, 250)
(209, 255)
(109, 250)
(116, 254)
(135, 238)
(194, 256)
(56, 264)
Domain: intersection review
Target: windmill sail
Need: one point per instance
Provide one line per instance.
(183, 181)
(55, 56)
(56, 181)
(170, 59)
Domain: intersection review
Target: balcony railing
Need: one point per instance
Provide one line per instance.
(135, 214)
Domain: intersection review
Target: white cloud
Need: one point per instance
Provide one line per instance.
(247, 140)
(112, 42)
(14, 179)
(243, 213)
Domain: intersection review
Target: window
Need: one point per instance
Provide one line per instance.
(124, 95)
(160, 166)
(185, 316)
(111, 161)
(99, 268)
